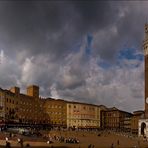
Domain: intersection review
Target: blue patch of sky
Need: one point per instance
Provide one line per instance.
(123, 54)
(88, 48)
(130, 54)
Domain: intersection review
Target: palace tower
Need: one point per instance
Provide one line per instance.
(145, 47)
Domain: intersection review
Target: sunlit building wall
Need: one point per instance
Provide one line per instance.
(81, 115)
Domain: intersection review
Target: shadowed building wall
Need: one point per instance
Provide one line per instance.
(22, 108)
(56, 109)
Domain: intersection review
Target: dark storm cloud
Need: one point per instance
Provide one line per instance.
(126, 29)
(94, 16)
(46, 43)
(53, 27)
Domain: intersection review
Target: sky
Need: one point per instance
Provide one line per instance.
(86, 51)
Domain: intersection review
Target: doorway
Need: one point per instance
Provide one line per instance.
(143, 128)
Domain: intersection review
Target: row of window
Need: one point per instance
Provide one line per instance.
(10, 109)
(57, 119)
(56, 113)
(30, 104)
(29, 110)
(82, 116)
(83, 121)
(55, 106)
(84, 107)
(58, 122)
(79, 125)
(11, 101)
(113, 120)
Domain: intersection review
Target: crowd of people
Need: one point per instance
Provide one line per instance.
(61, 139)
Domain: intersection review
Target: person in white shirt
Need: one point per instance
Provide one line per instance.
(6, 139)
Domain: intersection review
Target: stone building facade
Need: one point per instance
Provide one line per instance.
(137, 115)
(115, 119)
(82, 115)
(22, 108)
(57, 111)
(30, 109)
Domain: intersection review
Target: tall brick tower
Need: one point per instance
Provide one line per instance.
(33, 91)
(143, 121)
(145, 47)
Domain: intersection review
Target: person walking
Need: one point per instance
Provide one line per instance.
(118, 142)
(112, 146)
(21, 142)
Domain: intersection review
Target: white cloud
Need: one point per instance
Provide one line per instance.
(9, 71)
(53, 90)
(28, 71)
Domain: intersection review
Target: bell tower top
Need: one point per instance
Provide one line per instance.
(145, 42)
